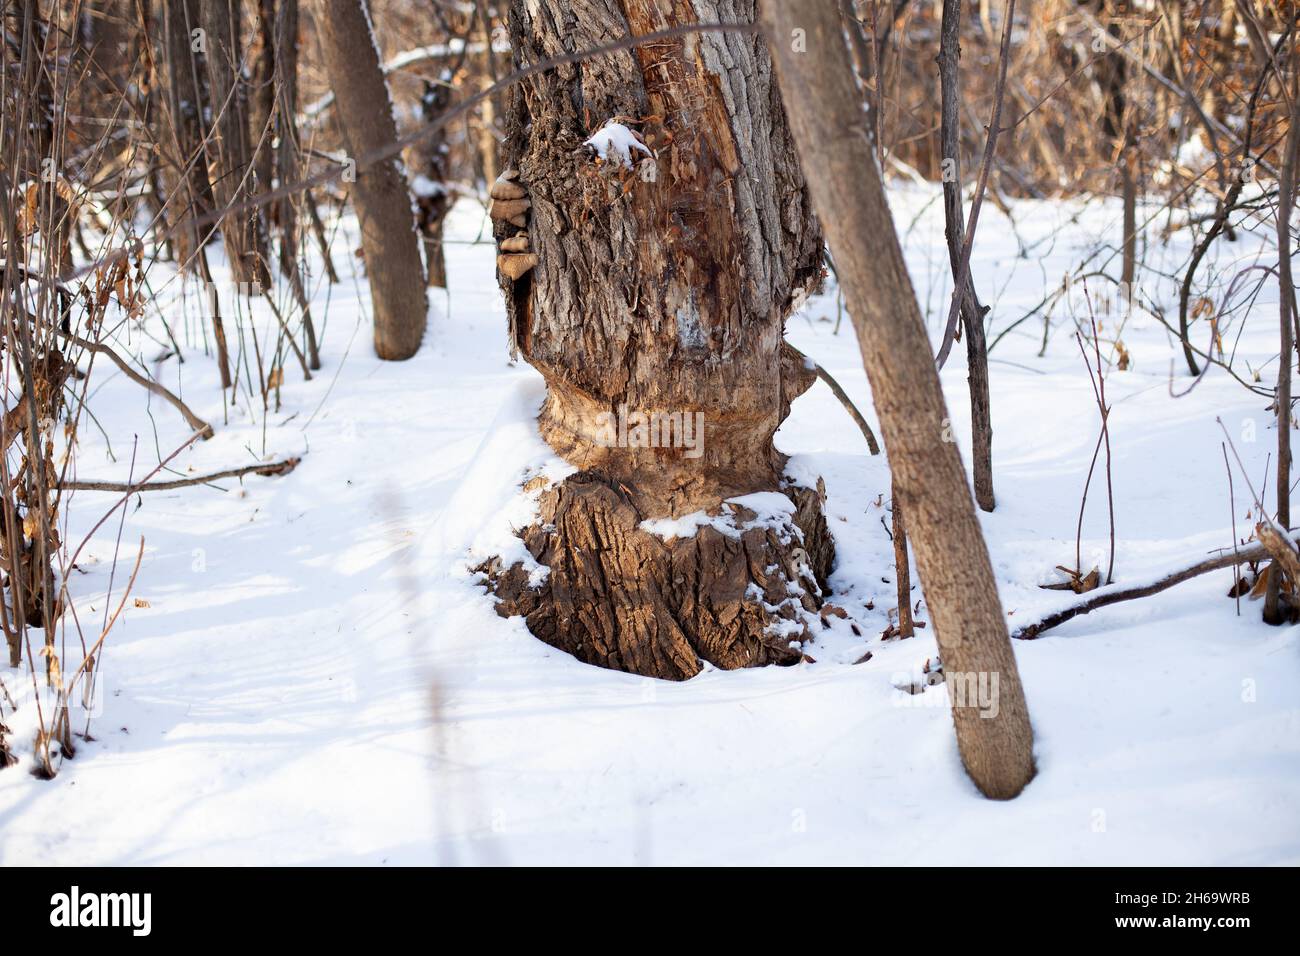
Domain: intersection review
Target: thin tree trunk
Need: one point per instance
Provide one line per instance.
(287, 163)
(262, 97)
(1274, 610)
(1128, 185)
(380, 194)
(183, 98)
(956, 573)
(660, 289)
(432, 201)
(972, 313)
(902, 569)
(230, 150)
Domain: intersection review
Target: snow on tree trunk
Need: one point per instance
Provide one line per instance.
(663, 275)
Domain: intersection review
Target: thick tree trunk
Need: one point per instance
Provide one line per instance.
(380, 194)
(993, 735)
(660, 289)
(230, 148)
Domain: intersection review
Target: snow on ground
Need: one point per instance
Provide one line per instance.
(316, 680)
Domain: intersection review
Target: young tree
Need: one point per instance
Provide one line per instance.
(648, 269)
(830, 129)
(181, 82)
(365, 114)
(972, 313)
(230, 150)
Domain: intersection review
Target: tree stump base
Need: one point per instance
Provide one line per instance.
(738, 593)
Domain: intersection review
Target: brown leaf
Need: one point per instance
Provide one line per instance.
(1261, 582)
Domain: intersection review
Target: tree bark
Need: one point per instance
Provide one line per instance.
(902, 569)
(380, 194)
(952, 560)
(661, 288)
(230, 148)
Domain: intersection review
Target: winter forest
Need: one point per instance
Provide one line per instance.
(649, 432)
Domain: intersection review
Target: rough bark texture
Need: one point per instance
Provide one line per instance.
(620, 597)
(661, 288)
(380, 195)
(952, 560)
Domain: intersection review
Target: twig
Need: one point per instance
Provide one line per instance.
(849, 407)
(962, 274)
(267, 470)
(1254, 552)
(198, 424)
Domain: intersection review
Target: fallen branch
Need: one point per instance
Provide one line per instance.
(1254, 552)
(198, 424)
(267, 470)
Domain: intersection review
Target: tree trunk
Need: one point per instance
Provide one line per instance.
(659, 295)
(972, 313)
(183, 94)
(1276, 610)
(380, 194)
(902, 570)
(432, 201)
(230, 149)
(996, 741)
(284, 158)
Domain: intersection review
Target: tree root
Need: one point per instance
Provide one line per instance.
(619, 596)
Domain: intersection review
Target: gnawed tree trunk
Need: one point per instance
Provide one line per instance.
(380, 194)
(996, 741)
(661, 287)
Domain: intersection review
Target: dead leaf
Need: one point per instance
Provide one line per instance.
(1261, 582)
(141, 602)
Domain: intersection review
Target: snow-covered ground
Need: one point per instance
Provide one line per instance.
(316, 679)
